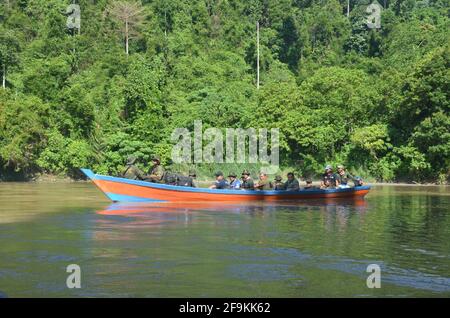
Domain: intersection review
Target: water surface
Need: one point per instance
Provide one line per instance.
(310, 249)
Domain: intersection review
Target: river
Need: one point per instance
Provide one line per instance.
(310, 249)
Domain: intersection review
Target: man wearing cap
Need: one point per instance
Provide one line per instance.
(263, 182)
(235, 183)
(131, 171)
(156, 172)
(193, 176)
(247, 181)
(329, 179)
(292, 183)
(220, 183)
(279, 184)
(344, 177)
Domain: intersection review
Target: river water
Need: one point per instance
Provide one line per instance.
(309, 249)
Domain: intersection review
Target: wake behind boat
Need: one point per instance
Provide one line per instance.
(127, 190)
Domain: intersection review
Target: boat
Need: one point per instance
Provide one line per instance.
(127, 190)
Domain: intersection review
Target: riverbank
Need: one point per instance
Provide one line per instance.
(50, 178)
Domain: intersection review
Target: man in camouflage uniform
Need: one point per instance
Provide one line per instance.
(247, 181)
(131, 171)
(156, 173)
(279, 184)
(343, 177)
(263, 183)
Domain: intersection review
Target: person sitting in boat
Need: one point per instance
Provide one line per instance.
(329, 179)
(156, 173)
(220, 183)
(309, 185)
(247, 181)
(343, 177)
(292, 183)
(279, 184)
(263, 182)
(131, 171)
(235, 183)
(193, 176)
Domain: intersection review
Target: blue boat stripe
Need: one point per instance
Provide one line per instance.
(89, 173)
(129, 198)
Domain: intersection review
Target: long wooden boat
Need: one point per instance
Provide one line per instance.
(127, 190)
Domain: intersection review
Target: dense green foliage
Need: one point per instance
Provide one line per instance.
(375, 100)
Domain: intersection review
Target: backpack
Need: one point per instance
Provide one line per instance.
(184, 181)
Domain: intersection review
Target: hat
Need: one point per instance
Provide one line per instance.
(156, 158)
(328, 167)
(340, 167)
(232, 174)
(245, 172)
(131, 160)
(278, 178)
(218, 173)
(192, 173)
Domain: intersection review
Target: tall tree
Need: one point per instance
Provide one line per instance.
(9, 47)
(256, 10)
(131, 14)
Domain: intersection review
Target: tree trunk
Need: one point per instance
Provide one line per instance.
(126, 36)
(4, 77)
(257, 54)
(348, 8)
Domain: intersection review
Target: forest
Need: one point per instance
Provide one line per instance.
(373, 99)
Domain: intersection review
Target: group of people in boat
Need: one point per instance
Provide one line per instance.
(157, 173)
(330, 180)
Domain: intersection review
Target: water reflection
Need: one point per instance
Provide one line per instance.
(280, 242)
(302, 249)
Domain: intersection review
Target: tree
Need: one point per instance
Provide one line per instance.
(131, 14)
(9, 48)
